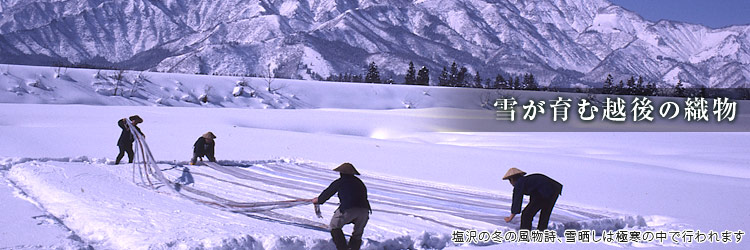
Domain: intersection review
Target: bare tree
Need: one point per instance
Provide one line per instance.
(140, 79)
(143, 78)
(59, 71)
(118, 76)
(99, 75)
(206, 91)
(269, 76)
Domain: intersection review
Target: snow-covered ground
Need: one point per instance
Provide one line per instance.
(426, 174)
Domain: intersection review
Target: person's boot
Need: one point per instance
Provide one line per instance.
(355, 243)
(338, 239)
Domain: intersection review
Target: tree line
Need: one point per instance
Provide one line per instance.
(452, 76)
(459, 76)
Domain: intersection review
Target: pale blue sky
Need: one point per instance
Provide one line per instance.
(711, 13)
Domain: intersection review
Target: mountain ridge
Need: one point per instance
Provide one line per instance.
(562, 42)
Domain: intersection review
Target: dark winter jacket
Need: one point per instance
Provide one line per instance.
(203, 148)
(352, 192)
(535, 185)
(126, 138)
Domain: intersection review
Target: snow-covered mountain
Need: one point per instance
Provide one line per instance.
(560, 41)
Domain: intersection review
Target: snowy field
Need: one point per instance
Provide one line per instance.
(425, 177)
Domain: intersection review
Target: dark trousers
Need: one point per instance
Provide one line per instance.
(123, 150)
(535, 205)
(356, 215)
(210, 157)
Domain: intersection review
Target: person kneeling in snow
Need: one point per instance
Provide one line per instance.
(543, 191)
(125, 142)
(204, 146)
(354, 207)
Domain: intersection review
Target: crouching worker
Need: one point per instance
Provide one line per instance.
(354, 207)
(204, 146)
(543, 192)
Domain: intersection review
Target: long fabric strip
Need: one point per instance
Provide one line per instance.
(148, 169)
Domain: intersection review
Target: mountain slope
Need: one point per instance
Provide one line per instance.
(560, 41)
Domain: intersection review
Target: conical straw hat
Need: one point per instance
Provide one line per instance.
(209, 135)
(512, 172)
(136, 118)
(346, 168)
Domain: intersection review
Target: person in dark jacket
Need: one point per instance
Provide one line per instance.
(354, 207)
(125, 143)
(543, 192)
(204, 146)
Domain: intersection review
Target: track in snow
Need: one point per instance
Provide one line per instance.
(398, 204)
(406, 212)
